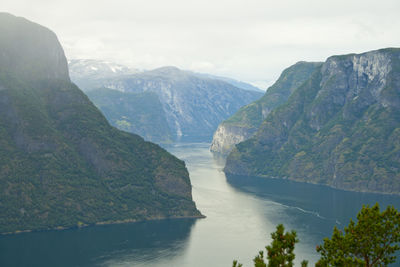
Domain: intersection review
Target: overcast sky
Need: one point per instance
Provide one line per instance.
(250, 40)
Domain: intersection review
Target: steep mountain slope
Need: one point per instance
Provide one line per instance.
(61, 163)
(340, 128)
(244, 123)
(40, 59)
(140, 113)
(194, 106)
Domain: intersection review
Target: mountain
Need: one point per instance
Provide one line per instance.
(340, 128)
(61, 163)
(139, 113)
(193, 105)
(40, 60)
(244, 123)
(89, 74)
(236, 83)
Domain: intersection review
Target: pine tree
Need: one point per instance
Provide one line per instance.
(372, 241)
(281, 251)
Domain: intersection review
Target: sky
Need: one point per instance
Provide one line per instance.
(249, 40)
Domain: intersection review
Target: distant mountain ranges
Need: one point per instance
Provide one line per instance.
(61, 163)
(335, 123)
(90, 74)
(190, 104)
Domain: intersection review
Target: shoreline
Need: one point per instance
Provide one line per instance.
(313, 183)
(103, 223)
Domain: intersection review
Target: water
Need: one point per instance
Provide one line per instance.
(241, 213)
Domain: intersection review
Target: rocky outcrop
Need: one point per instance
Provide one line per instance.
(227, 136)
(339, 128)
(61, 163)
(244, 123)
(33, 52)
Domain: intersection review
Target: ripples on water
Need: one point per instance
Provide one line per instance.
(241, 213)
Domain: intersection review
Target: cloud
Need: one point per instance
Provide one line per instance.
(250, 40)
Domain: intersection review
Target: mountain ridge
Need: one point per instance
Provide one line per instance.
(246, 121)
(61, 164)
(31, 63)
(193, 105)
(339, 128)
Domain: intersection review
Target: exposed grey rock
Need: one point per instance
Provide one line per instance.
(340, 128)
(244, 123)
(227, 136)
(193, 105)
(28, 51)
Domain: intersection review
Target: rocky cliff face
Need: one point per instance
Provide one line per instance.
(227, 136)
(42, 59)
(244, 123)
(61, 163)
(194, 105)
(339, 128)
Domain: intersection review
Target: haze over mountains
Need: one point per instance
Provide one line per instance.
(140, 113)
(61, 163)
(89, 74)
(340, 128)
(192, 104)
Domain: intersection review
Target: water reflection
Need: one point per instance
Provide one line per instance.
(112, 245)
(322, 201)
(241, 213)
(312, 210)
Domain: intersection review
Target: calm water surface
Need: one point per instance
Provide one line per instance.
(241, 213)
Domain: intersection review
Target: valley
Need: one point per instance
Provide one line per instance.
(191, 104)
(241, 214)
(131, 154)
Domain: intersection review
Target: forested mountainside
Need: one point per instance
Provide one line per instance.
(139, 113)
(193, 104)
(61, 163)
(340, 128)
(244, 123)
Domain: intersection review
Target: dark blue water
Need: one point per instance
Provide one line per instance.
(241, 213)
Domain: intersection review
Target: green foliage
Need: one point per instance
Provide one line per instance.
(281, 251)
(259, 260)
(236, 264)
(348, 144)
(372, 241)
(63, 165)
(139, 113)
(251, 116)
